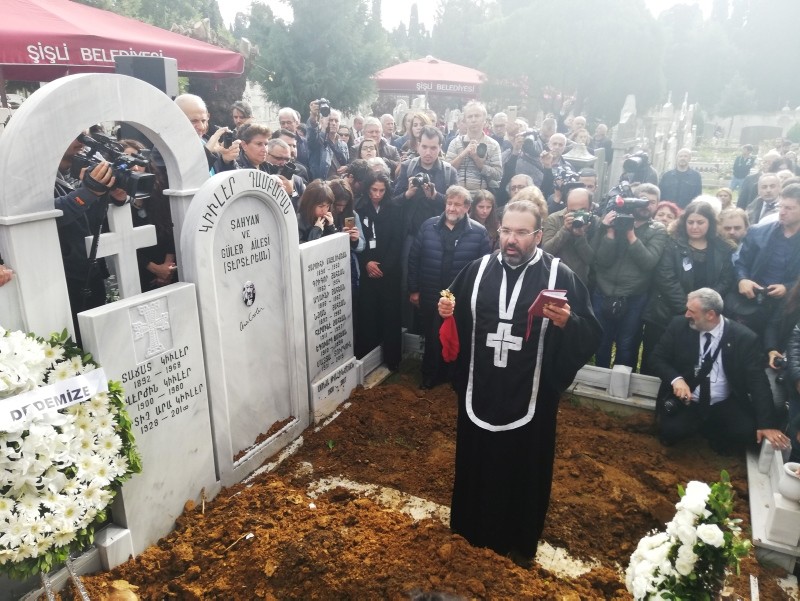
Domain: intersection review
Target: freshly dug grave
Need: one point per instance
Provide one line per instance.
(613, 483)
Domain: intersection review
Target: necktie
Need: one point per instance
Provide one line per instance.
(705, 383)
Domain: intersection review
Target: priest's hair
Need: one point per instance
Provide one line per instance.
(526, 206)
(710, 299)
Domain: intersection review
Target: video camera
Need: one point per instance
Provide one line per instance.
(637, 165)
(132, 182)
(620, 199)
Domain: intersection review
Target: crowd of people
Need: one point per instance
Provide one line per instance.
(701, 291)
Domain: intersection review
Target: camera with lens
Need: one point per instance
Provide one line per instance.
(780, 362)
(481, 149)
(532, 144)
(287, 170)
(620, 199)
(324, 107)
(672, 405)
(227, 139)
(134, 183)
(420, 180)
(581, 219)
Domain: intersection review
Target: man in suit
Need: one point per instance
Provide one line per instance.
(732, 405)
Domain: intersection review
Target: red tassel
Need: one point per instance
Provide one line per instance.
(448, 336)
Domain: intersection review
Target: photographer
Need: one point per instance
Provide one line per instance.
(476, 156)
(637, 169)
(524, 157)
(83, 202)
(328, 154)
(566, 233)
(419, 192)
(628, 246)
(279, 162)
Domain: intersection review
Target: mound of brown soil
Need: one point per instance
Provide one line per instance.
(269, 539)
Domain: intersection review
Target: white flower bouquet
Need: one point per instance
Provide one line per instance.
(59, 468)
(689, 559)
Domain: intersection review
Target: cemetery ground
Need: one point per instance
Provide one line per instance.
(328, 521)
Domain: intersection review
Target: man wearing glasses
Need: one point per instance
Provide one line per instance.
(278, 155)
(289, 119)
(512, 366)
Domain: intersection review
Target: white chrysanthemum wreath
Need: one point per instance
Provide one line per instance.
(59, 468)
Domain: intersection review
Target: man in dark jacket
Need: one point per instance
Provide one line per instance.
(441, 249)
(769, 263)
(682, 184)
(732, 404)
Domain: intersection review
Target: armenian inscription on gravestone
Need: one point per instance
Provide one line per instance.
(240, 247)
(333, 371)
(151, 343)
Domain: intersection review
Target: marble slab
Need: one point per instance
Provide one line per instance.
(240, 247)
(328, 303)
(151, 343)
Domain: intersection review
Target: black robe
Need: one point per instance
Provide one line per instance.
(505, 443)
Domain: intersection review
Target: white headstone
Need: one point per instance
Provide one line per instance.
(240, 247)
(333, 370)
(57, 113)
(151, 343)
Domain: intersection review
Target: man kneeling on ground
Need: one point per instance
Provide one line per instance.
(713, 380)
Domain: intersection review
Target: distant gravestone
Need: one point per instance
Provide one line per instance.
(240, 247)
(333, 370)
(151, 343)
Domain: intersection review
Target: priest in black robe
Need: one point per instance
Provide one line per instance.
(510, 373)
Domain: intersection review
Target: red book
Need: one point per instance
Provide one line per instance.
(555, 297)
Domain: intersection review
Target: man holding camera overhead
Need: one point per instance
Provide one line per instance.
(476, 156)
(628, 245)
(328, 154)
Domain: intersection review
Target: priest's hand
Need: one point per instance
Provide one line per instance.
(558, 315)
(5, 275)
(446, 307)
(776, 438)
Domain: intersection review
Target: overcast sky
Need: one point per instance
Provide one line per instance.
(395, 11)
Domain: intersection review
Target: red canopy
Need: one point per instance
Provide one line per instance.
(430, 76)
(41, 40)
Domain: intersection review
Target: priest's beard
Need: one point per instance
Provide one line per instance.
(518, 255)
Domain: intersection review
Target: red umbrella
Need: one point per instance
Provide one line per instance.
(42, 40)
(430, 76)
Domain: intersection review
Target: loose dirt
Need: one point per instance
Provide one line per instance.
(295, 534)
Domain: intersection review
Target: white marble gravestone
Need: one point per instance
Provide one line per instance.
(151, 343)
(240, 247)
(333, 370)
(48, 122)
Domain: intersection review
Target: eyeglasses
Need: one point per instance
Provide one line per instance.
(281, 159)
(506, 233)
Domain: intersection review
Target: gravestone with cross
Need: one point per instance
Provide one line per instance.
(151, 341)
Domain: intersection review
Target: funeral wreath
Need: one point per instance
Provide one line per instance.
(62, 456)
(689, 559)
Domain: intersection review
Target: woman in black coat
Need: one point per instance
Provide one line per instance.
(696, 256)
(379, 287)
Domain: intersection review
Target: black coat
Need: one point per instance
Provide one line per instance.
(385, 229)
(673, 282)
(678, 352)
(425, 259)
